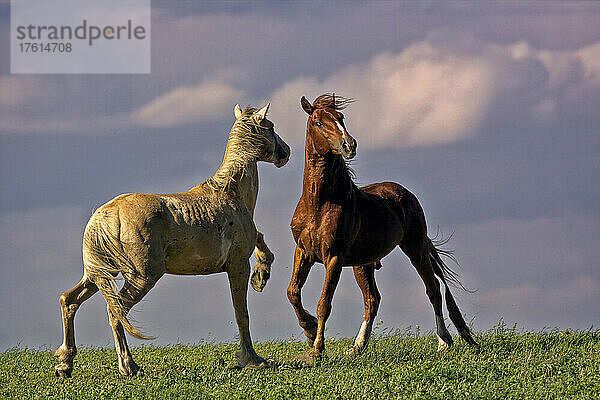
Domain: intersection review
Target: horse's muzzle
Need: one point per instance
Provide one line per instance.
(348, 147)
(282, 155)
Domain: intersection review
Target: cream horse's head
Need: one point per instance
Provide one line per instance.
(274, 149)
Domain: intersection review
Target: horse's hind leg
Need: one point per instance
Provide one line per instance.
(129, 295)
(69, 303)
(419, 257)
(365, 277)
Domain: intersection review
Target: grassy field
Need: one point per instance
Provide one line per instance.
(510, 364)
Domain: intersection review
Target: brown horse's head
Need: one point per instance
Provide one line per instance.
(326, 125)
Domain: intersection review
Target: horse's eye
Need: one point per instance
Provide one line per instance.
(319, 124)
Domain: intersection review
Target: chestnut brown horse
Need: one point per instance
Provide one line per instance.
(339, 224)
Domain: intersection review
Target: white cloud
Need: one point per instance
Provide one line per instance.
(590, 59)
(210, 100)
(421, 96)
(441, 89)
(36, 105)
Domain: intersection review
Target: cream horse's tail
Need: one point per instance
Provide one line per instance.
(103, 259)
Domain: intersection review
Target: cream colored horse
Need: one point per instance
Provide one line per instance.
(206, 230)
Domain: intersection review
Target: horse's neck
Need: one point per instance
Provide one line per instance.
(326, 178)
(247, 186)
(240, 179)
(237, 176)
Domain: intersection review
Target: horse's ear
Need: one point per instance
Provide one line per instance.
(262, 113)
(306, 106)
(237, 111)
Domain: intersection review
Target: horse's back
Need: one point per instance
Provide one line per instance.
(190, 233)
(390, 191)
(405, 204)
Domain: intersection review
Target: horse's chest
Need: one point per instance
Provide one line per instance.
(321, 232)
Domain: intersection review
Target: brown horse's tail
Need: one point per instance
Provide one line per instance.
(103, 259)
(447, 275)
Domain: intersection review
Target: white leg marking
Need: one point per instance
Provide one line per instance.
(441, 344)
(363, 334)
(442, 332)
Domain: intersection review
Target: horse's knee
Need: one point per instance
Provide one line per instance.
(293, 295)
(68, 306)
(65, 300)
(62, 300)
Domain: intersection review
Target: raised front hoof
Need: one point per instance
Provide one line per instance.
(63, 370)
(444, 344)
(259, 278)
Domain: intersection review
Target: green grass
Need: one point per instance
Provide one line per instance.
(510, 364)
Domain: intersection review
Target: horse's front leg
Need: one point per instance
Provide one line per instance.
(302, 266)
(238, 283)
(264, 258)
(333, 271)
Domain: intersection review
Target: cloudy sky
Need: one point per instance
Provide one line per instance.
(488, 112)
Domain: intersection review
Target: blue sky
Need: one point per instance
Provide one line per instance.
(488, 112)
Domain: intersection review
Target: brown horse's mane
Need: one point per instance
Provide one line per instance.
(330, 100)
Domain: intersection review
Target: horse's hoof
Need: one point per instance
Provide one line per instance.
(353, 351)
(249, 361)
(443, 345)
(309, 358)
(259, 278)
(258, 363)
(63, 371)
(65, 354)
(131, 371)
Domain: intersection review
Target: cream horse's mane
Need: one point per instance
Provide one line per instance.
(245, 143)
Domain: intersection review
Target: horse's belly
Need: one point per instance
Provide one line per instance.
(361, 255)
(376, 238)
(198, 256)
